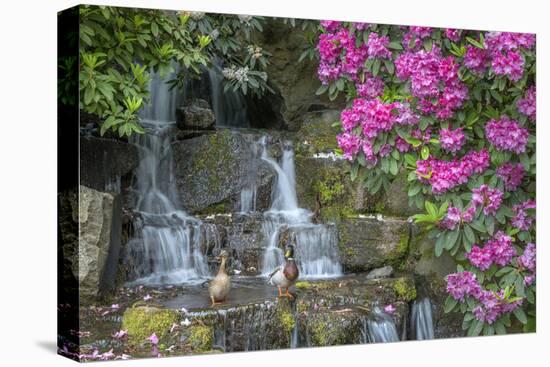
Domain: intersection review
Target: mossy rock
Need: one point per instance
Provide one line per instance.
(324, 187)
(142, 321)
(366, 243)
(405, 289)
(328, 328)
(317, 133)
(211, 170)
(201, 338)
(286, 318)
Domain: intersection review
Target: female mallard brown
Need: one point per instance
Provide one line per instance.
(219, 286)
(285, 276)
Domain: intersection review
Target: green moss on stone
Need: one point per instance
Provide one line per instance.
(214, 209)
(215, 158)
(405, 289)
(321, 334)
(286, 320)
(142, 321)
(303, 285)
(201, 338)
(317, 137)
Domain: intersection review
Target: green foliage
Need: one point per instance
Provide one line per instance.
(121, 47)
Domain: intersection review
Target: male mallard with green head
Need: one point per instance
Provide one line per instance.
(285, 276)
(219, 286)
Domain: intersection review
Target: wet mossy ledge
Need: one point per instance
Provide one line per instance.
(324, 312)
(141, 321)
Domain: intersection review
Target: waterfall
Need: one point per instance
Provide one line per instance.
(316, 244)
(229, 106)
(166, 245)
(250, 190)
(379, 328)
(164, 101)
(421, 320)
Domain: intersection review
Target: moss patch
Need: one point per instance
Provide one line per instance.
(287, 320)
(216, 158)
(201, 338)
(318, 137)
(405, 289)
(142, 321)
(215, 209)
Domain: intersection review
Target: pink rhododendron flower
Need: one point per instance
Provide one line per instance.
(462, 285)
(445, 175)
(402, 145)
(523, 219)
(498, 250)
(153, 339)
(378, 46)
(371, 88)
(451, 140)
(350, 145)
(120, 334)
(434, 80)
(389, 309)
(330, 25)
(455, 217)
(488, 198)
(528, 104)
(476, 59)
(453, 34)
(528, 259)
(493, 305)
(510, 65)
(507, 135)
(511, 174)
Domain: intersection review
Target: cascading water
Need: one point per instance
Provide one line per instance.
(316, 250)
(166, 246)
(379, 327)
(421, 319)
(229, 106)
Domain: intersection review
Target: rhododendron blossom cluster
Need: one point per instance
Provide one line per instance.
(451, 140)
(434, 81)
(506, 134)
(523, 219)
(491, 305)
(498, 250)
(528, 262)
(455, 217)
(502, 52)
(488, 198)
(512, 175)
(445, 175)
(527, 105)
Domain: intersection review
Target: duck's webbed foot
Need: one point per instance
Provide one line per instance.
(214, 303)
(287, 294)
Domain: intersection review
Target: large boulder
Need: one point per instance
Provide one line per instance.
(95, 262)
(211, 171)
(106, 164)
(366, 243)
(317, 134)
(195, 115)
(323, 185)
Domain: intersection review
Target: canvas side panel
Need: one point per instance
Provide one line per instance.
(67, 182)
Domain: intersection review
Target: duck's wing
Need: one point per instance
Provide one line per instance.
(278, 268)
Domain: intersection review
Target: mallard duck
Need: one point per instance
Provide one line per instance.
(285, 276)
(219, 286)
